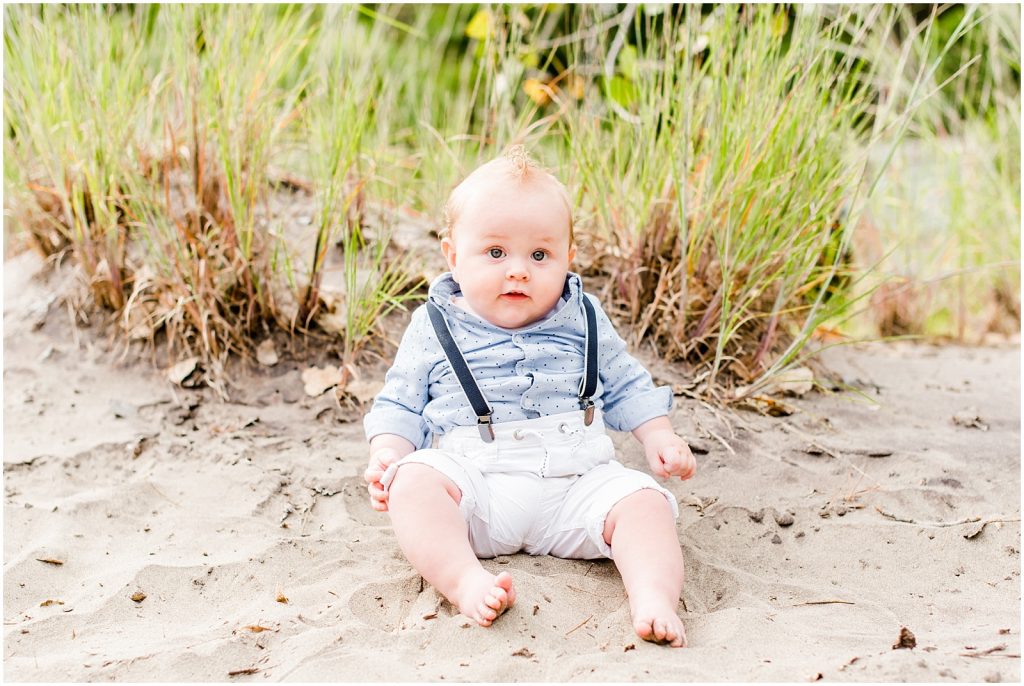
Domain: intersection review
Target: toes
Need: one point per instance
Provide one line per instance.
(485, 614)
(496, 600)
(660, 630)
(503, 591)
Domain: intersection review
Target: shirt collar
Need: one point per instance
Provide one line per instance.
(444, 287)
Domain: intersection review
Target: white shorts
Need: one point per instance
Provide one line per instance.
(543, 486)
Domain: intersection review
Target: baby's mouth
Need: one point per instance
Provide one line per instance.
(514, 295)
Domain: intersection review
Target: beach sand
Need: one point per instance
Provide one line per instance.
(811, 541)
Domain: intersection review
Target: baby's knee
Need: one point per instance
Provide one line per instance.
(643, 505)
(646, 502)
(415, 479)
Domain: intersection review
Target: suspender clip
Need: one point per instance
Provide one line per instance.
(587, 405)
(483, 424)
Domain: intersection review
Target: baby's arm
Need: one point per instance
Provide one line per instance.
(395, 424)
(667, 453)
(385, 449)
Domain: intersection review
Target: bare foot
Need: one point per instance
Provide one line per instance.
(656, 621)
(482, 596)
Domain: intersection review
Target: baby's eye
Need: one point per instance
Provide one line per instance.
(496, 253)
(539, 255)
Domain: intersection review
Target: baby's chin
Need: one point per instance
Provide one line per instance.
(517, 317)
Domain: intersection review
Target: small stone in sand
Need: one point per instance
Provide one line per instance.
(783, 518)
(266, 353)
(970, 419)
(757, 516)
(631, 646)
(776, 539)
(906, 639)
(138, 596)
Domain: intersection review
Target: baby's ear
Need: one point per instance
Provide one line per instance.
(572, 252)
(448, 250)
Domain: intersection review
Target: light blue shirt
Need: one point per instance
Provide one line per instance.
(523, 373)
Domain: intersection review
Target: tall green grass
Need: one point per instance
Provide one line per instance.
(720, 158)
(76, 104)
(722, 189)
(944, 228)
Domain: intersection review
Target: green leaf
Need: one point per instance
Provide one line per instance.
(627, 62)
(479, 27)
(621, 91)
(780, 24)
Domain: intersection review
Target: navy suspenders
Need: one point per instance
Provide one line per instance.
(588, 384)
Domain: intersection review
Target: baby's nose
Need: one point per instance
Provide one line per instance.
(517, 270)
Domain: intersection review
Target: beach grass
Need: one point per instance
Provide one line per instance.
(221, 172)
(944, 228)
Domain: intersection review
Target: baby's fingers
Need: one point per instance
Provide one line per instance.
(378, 497)
(373, 475)
(677, 462)
(683, 466)
(658, 466)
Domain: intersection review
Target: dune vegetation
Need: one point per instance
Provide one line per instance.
(751, 182)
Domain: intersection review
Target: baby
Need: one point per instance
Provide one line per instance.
(514, 372)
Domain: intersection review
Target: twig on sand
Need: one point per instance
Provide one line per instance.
(990, 652)
(834, 454)
(579, 625)
(163, 495)
(247, 670)
(702, 427)
(940, 525)
(581, 590)
(825, 602)
(909, 520)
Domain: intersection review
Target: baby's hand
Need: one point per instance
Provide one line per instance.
(668, 455)
(379, 461)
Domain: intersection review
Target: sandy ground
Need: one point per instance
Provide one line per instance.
(810, 540)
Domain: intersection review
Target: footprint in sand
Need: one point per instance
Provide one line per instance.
(708, 588)
(387, 606)
(357, 503)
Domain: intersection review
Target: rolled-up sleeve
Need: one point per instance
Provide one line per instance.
(398, 408)
(629, 395)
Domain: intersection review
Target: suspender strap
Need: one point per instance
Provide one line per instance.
(461, 369)
(588, 384)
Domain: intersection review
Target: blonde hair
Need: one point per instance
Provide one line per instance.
(514, 164)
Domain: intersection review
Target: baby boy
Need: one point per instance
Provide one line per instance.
(488, 437)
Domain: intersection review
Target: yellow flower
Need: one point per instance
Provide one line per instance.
(538, 91)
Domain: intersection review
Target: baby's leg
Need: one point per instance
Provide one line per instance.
(641, 531)
(424, 508)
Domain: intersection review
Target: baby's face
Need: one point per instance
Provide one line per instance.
(509, 251)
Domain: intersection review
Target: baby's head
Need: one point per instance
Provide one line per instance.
(509, 239)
